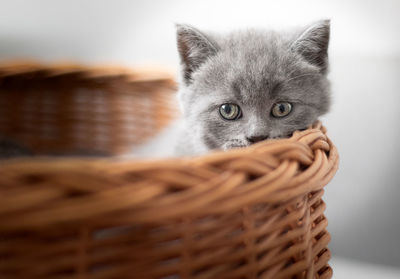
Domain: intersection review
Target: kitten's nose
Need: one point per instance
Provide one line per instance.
(254, 139)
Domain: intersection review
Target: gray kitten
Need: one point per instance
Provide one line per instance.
(251, 85)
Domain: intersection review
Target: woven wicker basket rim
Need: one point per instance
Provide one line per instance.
(299, 148)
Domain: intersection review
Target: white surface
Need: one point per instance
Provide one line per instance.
(350, 269)
(363, 200)
(137, 32)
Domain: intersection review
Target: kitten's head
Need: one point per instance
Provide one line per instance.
(252, 85)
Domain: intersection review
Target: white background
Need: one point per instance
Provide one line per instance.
(364, 198)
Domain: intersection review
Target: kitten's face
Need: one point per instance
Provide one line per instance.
(250, 86)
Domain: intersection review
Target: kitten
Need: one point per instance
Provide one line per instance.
(248, 86)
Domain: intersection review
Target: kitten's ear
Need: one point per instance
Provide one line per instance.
(194, 49)
(313, 43)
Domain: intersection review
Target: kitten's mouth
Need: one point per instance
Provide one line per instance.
(246, 143)
(231, 145)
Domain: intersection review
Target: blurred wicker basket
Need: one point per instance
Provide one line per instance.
(68, 109)
(250, 213)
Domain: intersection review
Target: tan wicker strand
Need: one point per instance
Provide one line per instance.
(255, 212)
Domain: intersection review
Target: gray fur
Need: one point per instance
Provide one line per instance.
(254, 69)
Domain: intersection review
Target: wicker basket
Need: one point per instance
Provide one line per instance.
(68, 109)
(248, 213)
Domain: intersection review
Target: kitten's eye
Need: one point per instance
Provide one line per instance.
(281, 109)
(230, 111)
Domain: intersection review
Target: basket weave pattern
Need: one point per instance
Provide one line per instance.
(248, 213)
(69, 109)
